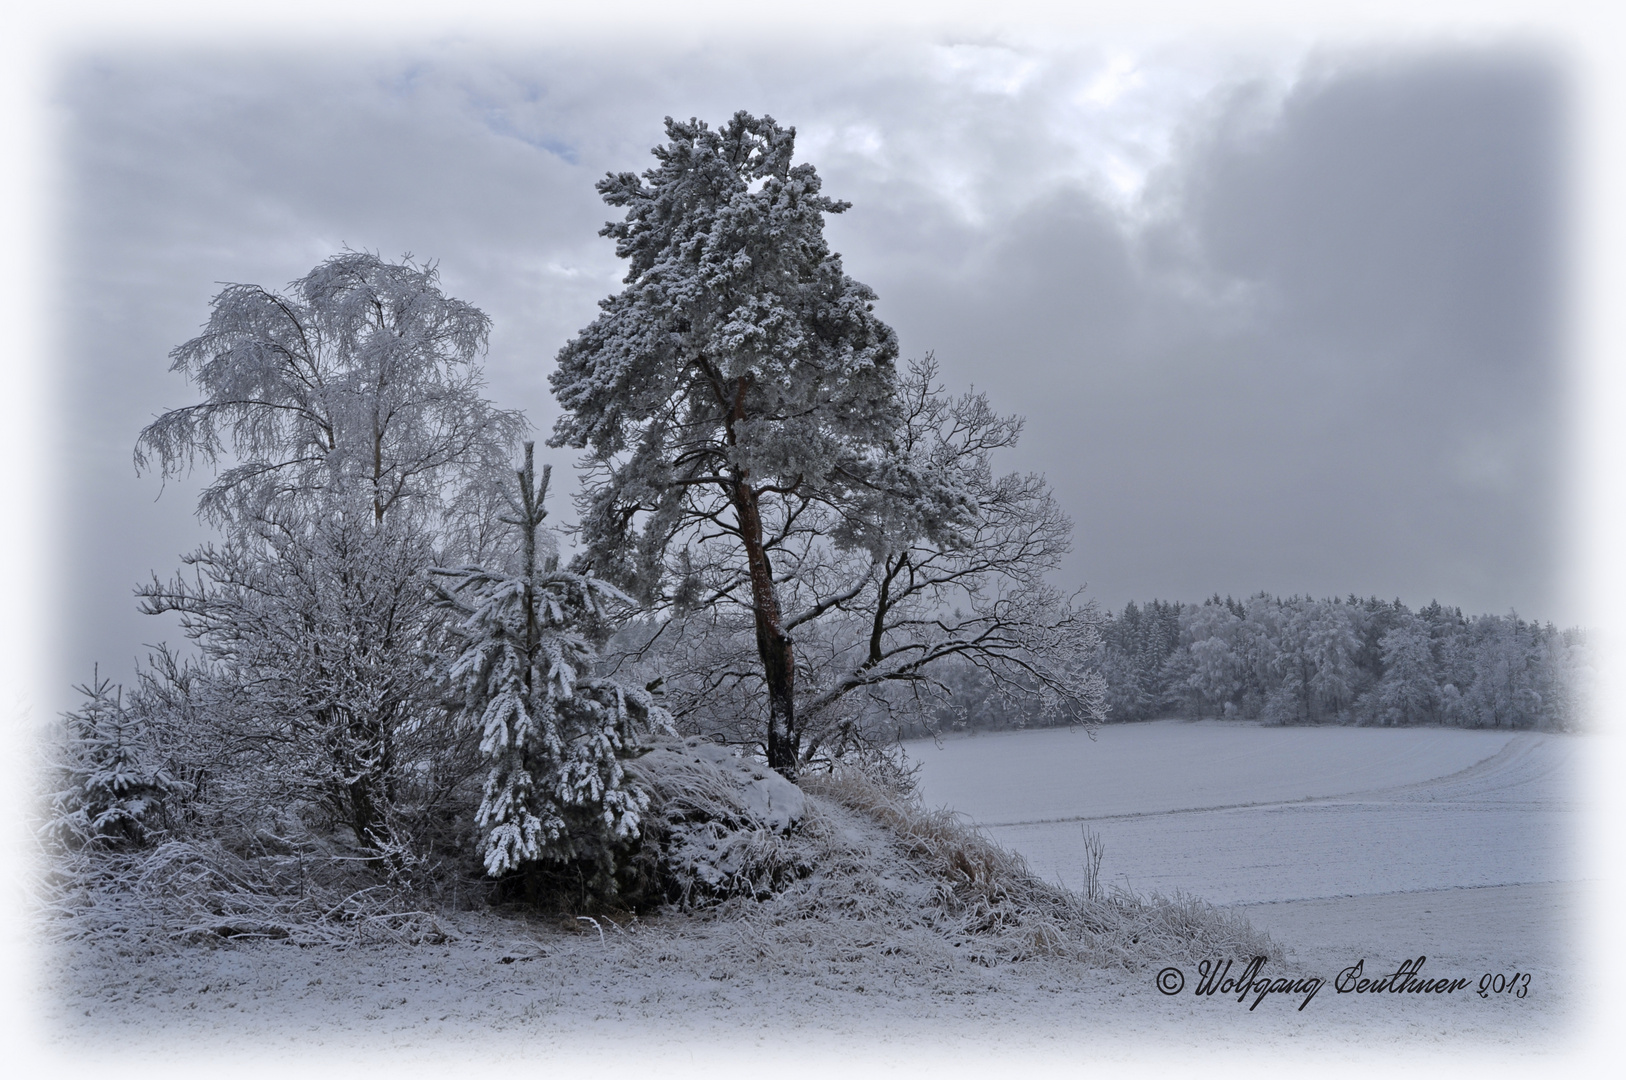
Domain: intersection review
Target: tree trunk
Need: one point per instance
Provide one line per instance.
(773, 644)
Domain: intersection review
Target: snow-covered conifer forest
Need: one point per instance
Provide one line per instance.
(743, 691)
(1337, 661)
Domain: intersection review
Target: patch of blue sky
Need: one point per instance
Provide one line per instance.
(497, 120)
(408, 80)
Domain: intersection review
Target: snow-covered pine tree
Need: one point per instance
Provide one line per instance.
(105, 790)
(739, 380)
(759, 471)
(554, 733)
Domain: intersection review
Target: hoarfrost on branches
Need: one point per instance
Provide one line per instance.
(894, 631)
(361, 379)
(314, 661)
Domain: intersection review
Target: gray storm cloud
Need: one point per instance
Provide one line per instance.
(1296, 333)
(1329, 362)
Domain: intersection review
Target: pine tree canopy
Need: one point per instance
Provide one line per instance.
(739, 352)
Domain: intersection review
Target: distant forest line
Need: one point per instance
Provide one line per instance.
(1298, 660)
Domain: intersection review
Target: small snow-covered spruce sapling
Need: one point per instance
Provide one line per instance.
(105, 792)
(554, 734)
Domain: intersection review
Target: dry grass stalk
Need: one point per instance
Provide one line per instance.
(1094, 851)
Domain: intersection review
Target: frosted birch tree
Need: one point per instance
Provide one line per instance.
(1506, 662)
(1217, 672)
(1407, 692)
(361, 380)
(353, 450)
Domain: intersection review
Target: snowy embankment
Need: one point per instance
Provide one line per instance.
(854, 962)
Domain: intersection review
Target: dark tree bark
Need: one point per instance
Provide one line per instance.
(773, 644)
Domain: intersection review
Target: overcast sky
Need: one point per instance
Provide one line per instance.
(1278, 318)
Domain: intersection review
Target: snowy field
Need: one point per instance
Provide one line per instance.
(1244, 814)
(1449, 843)
(1346, 845)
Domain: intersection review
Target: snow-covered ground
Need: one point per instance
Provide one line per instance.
(1347, 845)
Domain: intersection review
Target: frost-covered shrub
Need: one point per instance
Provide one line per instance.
(717, 822)
(106, 793)
(311, 691)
